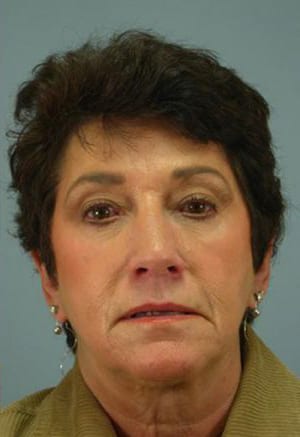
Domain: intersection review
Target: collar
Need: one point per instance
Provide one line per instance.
(268, 398)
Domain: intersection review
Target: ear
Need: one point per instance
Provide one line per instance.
(262, 275)
(49, 286)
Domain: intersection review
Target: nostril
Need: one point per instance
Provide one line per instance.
(141, 270)
(157, 270)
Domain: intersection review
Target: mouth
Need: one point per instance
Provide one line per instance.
(159, 312)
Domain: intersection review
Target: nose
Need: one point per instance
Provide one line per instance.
(158, 267)
(154, 248)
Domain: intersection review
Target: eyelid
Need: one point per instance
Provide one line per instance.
(200, 197)
(210, 190)
(100, 204)
(210, 207)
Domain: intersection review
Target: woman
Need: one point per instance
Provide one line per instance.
(149, 202)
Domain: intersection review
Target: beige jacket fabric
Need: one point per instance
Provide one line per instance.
(267, 404)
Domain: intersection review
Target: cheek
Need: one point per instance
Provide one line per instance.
(80, 258)
(74, 261)
(84, 271)
(224, 263)
(233, 256)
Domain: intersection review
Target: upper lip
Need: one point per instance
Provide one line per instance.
(163, 307)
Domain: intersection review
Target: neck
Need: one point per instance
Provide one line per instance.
(177, 418)
(196, 405)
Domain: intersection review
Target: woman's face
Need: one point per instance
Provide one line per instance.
(151, 238)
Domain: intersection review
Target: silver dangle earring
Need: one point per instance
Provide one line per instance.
(252, 313)
(259, 296)
(245, 326)
(57, 328)
(71, 338)
(71, 348)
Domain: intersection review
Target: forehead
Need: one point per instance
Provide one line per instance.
(136, 146)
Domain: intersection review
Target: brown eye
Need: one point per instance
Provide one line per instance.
(198, 207)
(100, 212)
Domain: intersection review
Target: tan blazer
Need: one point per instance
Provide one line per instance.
(267, 404)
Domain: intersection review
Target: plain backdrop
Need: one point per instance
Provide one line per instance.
(259, 38)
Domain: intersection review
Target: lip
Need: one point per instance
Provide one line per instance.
(184, 311)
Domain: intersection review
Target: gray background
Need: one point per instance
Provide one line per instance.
(260, 38)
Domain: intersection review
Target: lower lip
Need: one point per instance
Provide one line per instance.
(161, 319)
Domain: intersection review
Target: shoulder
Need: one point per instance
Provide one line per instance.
(69, 409)
(17, 419)
(272, 373)
(268, 399)
(275, 388)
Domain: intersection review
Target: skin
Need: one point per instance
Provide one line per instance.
(156, 376)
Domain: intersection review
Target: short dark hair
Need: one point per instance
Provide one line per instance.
(138, 75)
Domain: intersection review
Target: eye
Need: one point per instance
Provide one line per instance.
(100, 212)
(198, 207)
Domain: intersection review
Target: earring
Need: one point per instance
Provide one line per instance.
(57, 328)
(252, 313)
(259, 296)
(72, 345)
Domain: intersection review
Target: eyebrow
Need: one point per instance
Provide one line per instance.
(110, 178)
(187, 172)
(100, 178)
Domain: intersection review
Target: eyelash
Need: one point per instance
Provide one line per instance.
(95, 208)
(205, 204)
(208, 209)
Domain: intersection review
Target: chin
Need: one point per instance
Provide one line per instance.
(165, 364)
